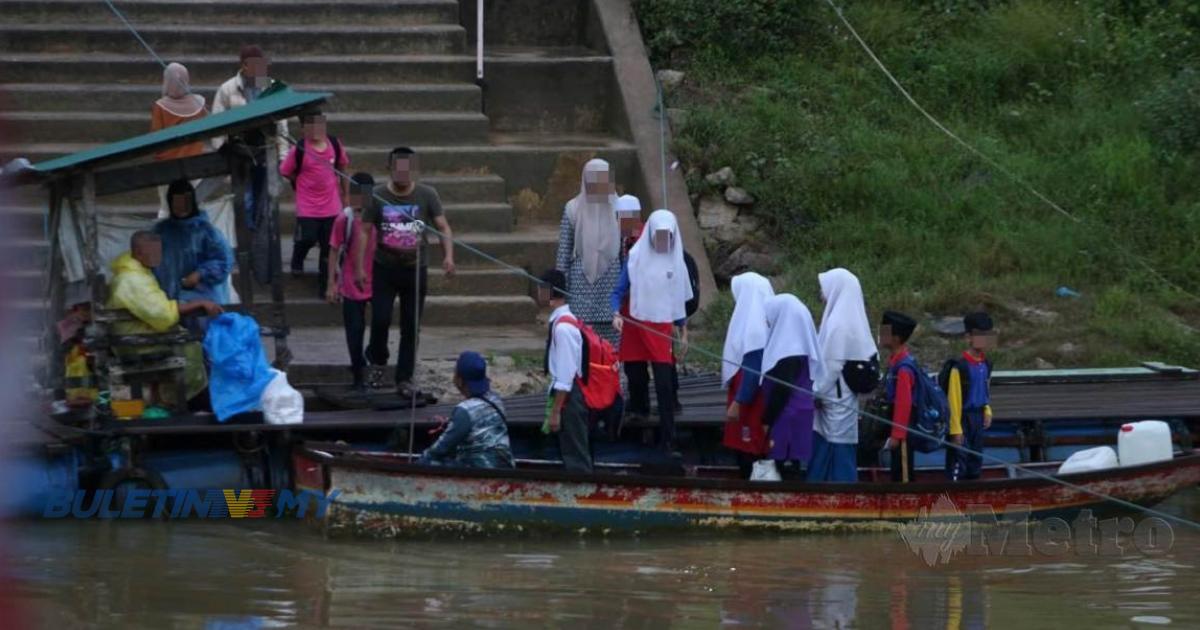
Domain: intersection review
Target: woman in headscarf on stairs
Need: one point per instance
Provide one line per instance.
(178, 105)
(656, 283)
(589, 248)
(845, 336)
(745, 340)
(791, 362)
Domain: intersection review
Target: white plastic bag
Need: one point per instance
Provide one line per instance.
(1098, 458)
(765, 470)
(281, 403)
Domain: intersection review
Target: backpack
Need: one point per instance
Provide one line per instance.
(930, 410)
(599, 377)
(338, 157)
(964, 374)
(862, 377)
(694, 279)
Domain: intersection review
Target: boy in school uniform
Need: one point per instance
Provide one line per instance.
(967, 389)
(567, 414)
(355, 298)
(894, 332)
(312, 167)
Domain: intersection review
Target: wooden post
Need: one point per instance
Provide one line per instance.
(904, 461)
(245, 281)
(283, 356)
(91, 235)
(55, 292)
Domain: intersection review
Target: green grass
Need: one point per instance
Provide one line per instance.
(1095, 103)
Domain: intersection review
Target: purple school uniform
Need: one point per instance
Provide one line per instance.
(790, 412)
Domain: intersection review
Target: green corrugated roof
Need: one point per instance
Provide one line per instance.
(278, 104)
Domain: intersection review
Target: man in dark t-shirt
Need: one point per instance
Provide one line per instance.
(400, 211)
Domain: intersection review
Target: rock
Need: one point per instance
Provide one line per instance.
(503, 363)
(738, 196)
(745, 259)
(1042, 364)
(1068, 349)
(669, 79)
(715, 213)
(722, 178)
(948, 326)
(1036, 315)
(677, 117)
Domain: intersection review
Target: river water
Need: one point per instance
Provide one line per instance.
(267, 574)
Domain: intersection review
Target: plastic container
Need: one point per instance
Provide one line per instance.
(1144, 442)
(1090, 459)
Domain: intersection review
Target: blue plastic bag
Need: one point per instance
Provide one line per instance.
(239, 369)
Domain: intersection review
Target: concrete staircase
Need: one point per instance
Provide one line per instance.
(71, 76)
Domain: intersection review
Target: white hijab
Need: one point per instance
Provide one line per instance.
(658, 283)
(177, 96)
(748, 326)
(597, 233)
(845, 331)
(793, 334)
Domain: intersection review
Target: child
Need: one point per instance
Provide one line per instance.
(967, 389)
(650, 297)
(310, 167)
(792, 361)
(894, 333)
(744, 342)
(629, 220)
(567, 414)
(355, 298)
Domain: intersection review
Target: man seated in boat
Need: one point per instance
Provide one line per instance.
(134, 289)
(477, 434)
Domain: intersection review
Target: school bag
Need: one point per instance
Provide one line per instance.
(862, 377)
(599, 376)
(337, 157)
(693, 304)
(964, 374)
(930, 409)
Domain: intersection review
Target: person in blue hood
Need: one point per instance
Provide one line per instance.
(196, 259)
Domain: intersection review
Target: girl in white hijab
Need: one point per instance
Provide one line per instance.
(845, 336)
(656, 282)
(589, 247)
(744, 343)
(791, 362)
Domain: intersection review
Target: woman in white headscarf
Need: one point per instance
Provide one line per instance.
(655, 280)
(845, 336)
(744, 343)
(178, 105)
(589, 248)
(791, 362)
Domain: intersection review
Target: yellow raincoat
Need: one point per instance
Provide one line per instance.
(134, 288)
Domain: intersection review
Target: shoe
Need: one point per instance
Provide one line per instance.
(375, 374)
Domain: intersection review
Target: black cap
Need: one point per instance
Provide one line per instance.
(978, 322)
(902, 325)
(556, 281)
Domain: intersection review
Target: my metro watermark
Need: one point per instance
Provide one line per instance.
(221, 503)
(944, 531)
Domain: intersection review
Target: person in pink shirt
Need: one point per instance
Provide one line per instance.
(355, 298)
(320, 191)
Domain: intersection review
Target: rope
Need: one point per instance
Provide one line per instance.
(121, 16)
(911, 428)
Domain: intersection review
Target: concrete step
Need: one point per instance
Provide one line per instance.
(353, 128)
(141, 12)
(465, 189)
(171, 40)
(396, 97)
(134, 67)
(467, 281)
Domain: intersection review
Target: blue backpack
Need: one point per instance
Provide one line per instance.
(930, 409)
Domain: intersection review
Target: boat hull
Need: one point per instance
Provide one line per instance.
(377, 496)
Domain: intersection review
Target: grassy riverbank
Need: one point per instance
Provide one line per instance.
(1095, 103)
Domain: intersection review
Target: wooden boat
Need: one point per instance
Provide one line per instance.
(383, 494)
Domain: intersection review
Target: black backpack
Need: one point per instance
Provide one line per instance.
(337, 157)
(862, 377)
(694, 279)
(964, 374)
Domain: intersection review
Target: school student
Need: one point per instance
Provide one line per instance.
(312, 166)
(355, 299)
(894, 332)
(791, 362)
(967, 389)
(845, 336)
(567, 415)
(650, 299)
(744, 342)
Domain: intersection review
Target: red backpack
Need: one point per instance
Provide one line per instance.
(600, 378)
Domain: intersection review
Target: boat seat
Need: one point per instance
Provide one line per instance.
(143, 358)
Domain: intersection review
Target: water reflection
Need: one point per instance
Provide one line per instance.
(222, 575)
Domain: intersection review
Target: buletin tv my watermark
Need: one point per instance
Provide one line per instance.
(944, 531)
(220, 503)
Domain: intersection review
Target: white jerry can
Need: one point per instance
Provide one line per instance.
(1144, 442)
